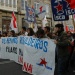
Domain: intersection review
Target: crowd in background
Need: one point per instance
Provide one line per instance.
(65, 44)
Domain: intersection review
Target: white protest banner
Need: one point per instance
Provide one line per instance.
(39, 56)
(0, 48)
(9, 48)
(4, 55)
(20, 51)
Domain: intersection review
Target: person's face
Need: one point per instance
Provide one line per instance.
(28, 31)
(69, 34)
(4, 35)
(9, 34)
(22, 30)
(56, 29)
(45, 30)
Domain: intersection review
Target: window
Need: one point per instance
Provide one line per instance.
(10, 3)
(6, 2)
(23, 4)
(6, 23)
(14, 3)
(36, 5)
(47, 8)
(2, 2)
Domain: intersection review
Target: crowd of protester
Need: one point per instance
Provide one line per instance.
(65, 44)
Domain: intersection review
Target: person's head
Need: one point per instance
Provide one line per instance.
(9, 34)
(40, 33)
(12, 32)
(4, 34)
(59, 27)
(46, 29)
(30, 32)
(23, 29)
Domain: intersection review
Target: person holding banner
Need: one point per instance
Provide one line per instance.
(23, 31)
(47, 32)
(40, 33)
(12, 33)
(30, 32)
(61, 49)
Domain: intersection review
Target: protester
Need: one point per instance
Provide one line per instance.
(4, 34)
(70, 47)
(47, 32)
(72, 61)
(23, 31)
(54, 35)
(12, 33)
(30, 32)
(40, 33)
(61, 48)
(9, 34)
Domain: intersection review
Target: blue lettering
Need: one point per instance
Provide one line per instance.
(45, 46)
(41, 44)
(32, 42)
(29, 42)
(8, 40)
(3, 41)
(36, 45)
(15, 40)
(25, 40)
(22, 40)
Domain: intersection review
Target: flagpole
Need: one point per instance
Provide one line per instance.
(73, 22)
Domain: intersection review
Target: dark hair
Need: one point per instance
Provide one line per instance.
(13, 33)
(47, 27)
(60, 26)
(31, 33)
(40, 32)
(24, 28)
(5, 33)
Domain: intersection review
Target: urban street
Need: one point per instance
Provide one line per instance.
(8, 67)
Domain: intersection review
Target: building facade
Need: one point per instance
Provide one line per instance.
(6, 9)
(18, 6)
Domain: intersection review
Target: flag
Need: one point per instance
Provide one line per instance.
(69, 6)
(72, 4)
(58, 10)
(66, 28)
(44, 21)
(41, 10)
(13, 24)
(69, 28)
(30, 14)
